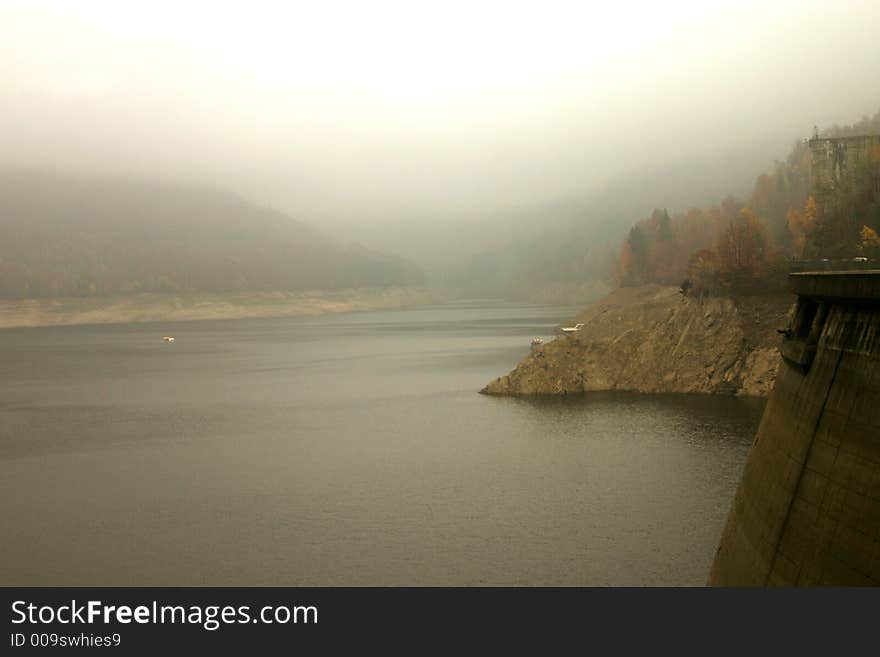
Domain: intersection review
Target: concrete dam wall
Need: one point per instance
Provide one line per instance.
(807, 510)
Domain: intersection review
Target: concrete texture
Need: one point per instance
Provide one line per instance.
(807, 510)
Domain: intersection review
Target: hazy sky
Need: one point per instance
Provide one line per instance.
(371, 109)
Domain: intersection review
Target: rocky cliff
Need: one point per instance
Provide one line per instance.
(653, 339)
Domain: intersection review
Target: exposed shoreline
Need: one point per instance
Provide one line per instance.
(143, 308)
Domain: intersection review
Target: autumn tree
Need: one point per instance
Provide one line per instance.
(801, 226)
(742, 243)
(703, 271)
(869, 244)
(811, 214)
(633, 257)
(663, 223)
(625, 274)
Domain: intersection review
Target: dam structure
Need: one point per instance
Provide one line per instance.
(807, 509)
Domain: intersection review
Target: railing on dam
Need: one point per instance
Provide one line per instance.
(816, 290)
(860, 282)
(826, 264)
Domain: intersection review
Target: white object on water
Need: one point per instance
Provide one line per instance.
(572, 329)
(167, 338)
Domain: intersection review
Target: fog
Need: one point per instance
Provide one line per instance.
(351, 114)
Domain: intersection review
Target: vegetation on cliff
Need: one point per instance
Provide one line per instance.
(743, 245)
(738, 244)
(717, 334)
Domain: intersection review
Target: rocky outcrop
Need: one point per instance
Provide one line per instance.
(653, 339)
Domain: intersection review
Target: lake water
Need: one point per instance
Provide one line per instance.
(347, 450)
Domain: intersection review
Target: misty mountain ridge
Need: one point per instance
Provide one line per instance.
(67, 235)
(578, 241)
(564, 250)
(516, 251)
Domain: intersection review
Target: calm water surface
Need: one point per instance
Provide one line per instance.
(346, 449)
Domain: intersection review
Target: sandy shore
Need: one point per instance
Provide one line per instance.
(198, 306)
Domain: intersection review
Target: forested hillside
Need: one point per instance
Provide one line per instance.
(71, 236)
(567, 251)
(744, 244)
(741, 242)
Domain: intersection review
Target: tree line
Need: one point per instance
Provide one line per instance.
(744, 245)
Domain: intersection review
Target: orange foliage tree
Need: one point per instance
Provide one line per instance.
(743, 244)
(703, 271)
(802, 225)
(869, 244)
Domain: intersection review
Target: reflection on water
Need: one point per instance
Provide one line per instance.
(347, 449)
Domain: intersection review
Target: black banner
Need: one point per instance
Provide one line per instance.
(416, 620)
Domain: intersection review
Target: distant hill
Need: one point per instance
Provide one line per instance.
(649, 227)
(568, 250)
(77, 236)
